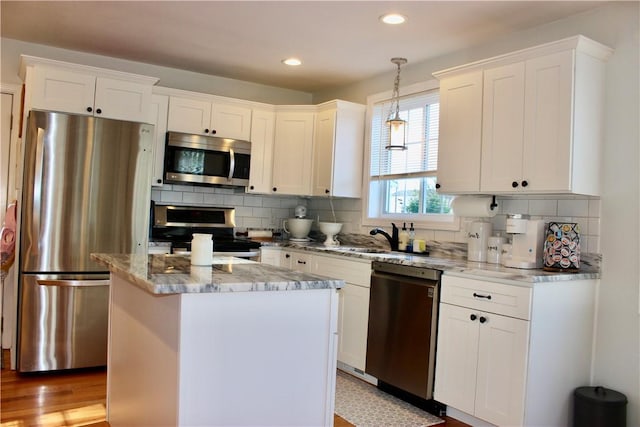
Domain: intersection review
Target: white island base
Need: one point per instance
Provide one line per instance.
(221, 359)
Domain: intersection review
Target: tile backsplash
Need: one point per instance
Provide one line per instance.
(268, 211)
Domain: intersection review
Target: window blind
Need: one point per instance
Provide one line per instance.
(421, 111)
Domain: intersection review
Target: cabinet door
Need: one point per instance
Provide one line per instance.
(502, 128)
(323, 153)
(457, 356)
(353, 322)
(460, 133)
(61, 90)
(270, 256)
(292, 153)
(262, 136)
(231, 121)
(122, 100)
(158, 117)
(548, 122)
(502, 364)
(189, 115)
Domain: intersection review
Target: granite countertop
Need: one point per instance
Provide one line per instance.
(451, 262)
(174, 274)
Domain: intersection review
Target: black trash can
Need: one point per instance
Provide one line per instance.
(599, 407)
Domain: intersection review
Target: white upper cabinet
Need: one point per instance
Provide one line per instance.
(158, 117)
(262, 137)
(540, 122)
(460, 133)
(57, 86)
(204, 115)
(338, 149)
(293, 149)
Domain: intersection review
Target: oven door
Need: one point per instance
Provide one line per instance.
(206, 160)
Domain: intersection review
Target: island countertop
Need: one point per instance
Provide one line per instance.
(174, 274)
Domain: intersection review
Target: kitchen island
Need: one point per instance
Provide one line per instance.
(234, 343)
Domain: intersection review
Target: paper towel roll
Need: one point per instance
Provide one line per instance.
(474, 206)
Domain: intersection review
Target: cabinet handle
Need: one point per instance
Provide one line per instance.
(89, 109)
(206, 131)
(483, 319)
(98, 111)
(437, 186)
(481, 296)
(275, 189)
(525, 183)
(473, 317)
(302, 262)
(514, 184)
(251, 187)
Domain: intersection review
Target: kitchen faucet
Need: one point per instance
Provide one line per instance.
(393, 239)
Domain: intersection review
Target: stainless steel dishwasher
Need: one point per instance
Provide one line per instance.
(403, 318)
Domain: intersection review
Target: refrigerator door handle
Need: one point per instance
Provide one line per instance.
(73, 283)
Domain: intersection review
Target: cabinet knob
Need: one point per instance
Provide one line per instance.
(483, 319)
(251, 187)
(89, 109)
(213, 131)
(326, 191)
(206, 131)
(159, 181)
(514, 184)
(98, 111)
(525, 183)
(274, 189)
(287, 256)
(437, 186)
(473, 317)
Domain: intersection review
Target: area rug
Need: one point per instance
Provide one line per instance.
(362, 404)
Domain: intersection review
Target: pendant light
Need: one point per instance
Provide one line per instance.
(397, 126)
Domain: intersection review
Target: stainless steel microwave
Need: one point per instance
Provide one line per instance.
(197, 159)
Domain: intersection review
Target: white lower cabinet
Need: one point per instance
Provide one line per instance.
(485, 364)
(270, 255)
(512, 355)
(353, 314)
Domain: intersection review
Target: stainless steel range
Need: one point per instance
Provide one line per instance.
(176, 224)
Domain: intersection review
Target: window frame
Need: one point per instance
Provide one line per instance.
(434, 222)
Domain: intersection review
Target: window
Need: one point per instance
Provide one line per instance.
(402, 182)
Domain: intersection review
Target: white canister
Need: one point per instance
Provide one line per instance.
(202, 249)
(494, 249)
(506, 252)
(478, 240)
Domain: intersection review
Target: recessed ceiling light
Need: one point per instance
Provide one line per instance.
(292, 61)
(393, 18)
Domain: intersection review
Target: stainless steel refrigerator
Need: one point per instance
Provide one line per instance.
(86, 189)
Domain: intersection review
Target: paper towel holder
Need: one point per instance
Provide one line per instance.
(493, 204)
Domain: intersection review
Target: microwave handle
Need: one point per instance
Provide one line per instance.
(232, 163)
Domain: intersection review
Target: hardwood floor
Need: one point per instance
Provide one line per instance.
(70, 399)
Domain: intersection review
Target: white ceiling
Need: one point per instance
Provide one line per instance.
(340, 42)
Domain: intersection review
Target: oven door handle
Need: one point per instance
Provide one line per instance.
(232, 163)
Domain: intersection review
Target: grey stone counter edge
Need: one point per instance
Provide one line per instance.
(173, 274)
(457, 266)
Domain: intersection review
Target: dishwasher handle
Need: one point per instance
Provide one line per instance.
(74, 283)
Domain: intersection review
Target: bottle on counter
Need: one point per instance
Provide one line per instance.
(403, 238)
(412, 236)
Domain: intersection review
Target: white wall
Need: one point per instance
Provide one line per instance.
(169, 77)
(617, 353)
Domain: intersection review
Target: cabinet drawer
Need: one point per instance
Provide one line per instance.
(508, 300)
(358, 273)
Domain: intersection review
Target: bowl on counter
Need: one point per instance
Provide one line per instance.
(330, 229)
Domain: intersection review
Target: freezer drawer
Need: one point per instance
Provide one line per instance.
(63, 321)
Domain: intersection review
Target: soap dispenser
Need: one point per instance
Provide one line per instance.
(403, 238)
